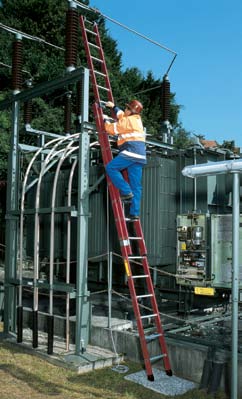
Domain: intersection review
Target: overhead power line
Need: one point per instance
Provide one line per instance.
(10, 67)
(125, 27)
(96, 11)
(30, 37)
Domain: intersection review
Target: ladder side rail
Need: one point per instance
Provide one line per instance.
(102, 135)
(104, 66)
(157, 319)
(150, 288)
(143, 343)
(117, 207)
(139, 233)
(89, 58)
(113, 191)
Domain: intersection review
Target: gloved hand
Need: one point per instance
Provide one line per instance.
(109, 104)
(107, 119)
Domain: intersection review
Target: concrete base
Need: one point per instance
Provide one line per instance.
(186, 357)
(92, 359)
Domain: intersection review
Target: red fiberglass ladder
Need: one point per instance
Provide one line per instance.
(101, 84)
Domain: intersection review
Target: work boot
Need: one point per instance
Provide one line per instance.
(127, 197)
(134, 217)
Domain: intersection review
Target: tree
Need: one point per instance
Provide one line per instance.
(46, 19)
(182, 138)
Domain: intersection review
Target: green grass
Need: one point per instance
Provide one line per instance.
(30, 377)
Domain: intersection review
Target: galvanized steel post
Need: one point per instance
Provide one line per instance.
(82, 304)
(235, 284)
(12, 224)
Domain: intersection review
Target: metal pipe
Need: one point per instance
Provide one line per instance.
(109, 263)
(235, 284)
(110, 287)
(195, 181)
(51, 154)
(212, 168)
(21, 228)
(67, 151)
(36, 257)
(68, 253)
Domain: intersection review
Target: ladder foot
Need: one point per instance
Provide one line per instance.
(169, 372)
(151, 377)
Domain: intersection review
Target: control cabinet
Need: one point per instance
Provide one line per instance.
(204, 250)
(192, 250)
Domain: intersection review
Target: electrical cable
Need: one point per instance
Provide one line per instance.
(30, 37)
(141, 92)
(10, 67)
(96, 11)
(147, 308)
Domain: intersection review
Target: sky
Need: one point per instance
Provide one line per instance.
(206, 75)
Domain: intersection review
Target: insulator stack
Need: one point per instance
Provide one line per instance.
(28, 112)
(67, 116)
(78, 99)
(17, 63)
(165, 98)
(71, 38)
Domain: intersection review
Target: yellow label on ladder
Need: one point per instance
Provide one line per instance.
(127, 268)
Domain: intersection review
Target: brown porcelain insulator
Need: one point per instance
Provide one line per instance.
(28, 112)
(165, 99)
(17, 62)
(67, 115)
(71, 37)
(78, 98)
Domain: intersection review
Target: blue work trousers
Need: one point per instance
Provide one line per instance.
(134, 169)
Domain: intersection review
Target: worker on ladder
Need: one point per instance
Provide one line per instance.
(132, 153)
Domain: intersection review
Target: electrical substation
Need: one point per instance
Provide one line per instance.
(64, 276)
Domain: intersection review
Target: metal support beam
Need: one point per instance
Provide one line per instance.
(44, 88)
(82, 304)
(12, 224)
(235, 284)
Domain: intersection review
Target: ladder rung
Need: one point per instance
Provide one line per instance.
(135, 238)
(158, 357)
(89, 22)
(152, 337)
(96, 59)
(148, 315)
(144, 296)
(103, 88)
(93, 45)
(135, 257)
(100, 73)
(90, 31)
(141, 276)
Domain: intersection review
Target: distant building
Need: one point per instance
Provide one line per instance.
(209, 143)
